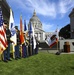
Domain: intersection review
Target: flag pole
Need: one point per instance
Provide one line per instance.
(57, 45)
(57, 39)
(0, 57)
(13, 51)
(21, 34)
(30, 45)
(0, 52)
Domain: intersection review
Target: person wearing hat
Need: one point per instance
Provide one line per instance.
(17, 52)
(8, 35)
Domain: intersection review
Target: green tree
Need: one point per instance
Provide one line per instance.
(65, 32)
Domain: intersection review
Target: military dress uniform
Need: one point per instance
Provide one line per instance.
(6, 52)
(17, 47)
(8, 35)
(27, 44)
(30, 46)
(33, 50)
(24, 48)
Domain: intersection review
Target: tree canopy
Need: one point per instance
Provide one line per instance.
(65, 32)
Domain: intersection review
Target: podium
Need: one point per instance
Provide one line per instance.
(73, 43)
(66, 47)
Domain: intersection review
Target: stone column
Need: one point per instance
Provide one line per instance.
(39, 36)
(43, 35)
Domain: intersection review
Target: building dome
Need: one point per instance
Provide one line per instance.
(37, 25)
(35, 21)
(34, 17)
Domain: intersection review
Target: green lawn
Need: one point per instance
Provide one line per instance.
(40, 64)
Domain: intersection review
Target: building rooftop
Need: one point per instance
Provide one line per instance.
(34, 17)
(72, 12)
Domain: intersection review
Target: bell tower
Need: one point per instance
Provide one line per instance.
(71, 15)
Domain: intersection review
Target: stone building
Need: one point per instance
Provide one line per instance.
(39, 32)
(71, 15)
(5, 9)
(48, 34)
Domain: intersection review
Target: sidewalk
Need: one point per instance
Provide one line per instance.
(67, 53)
(49, 51)
(55, 51)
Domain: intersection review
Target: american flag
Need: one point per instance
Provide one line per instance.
(3, 39)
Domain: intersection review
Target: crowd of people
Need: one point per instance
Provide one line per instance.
(20, 50)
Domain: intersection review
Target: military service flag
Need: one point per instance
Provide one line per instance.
(12, 28)
(21, 31)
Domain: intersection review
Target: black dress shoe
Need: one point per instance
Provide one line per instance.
(5, 60)
(16, 58)
(9, 59)
(19, 57)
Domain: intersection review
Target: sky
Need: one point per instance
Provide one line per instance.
(52, 13)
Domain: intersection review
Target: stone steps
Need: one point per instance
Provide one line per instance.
(44, 46)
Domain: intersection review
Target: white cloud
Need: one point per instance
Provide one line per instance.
(48, 27)
(44, 7)
(16, 4)
(65, 6)
(18, 24)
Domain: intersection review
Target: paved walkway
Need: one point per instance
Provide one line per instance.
(55, 51)
(49, 51)
(67, 53)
